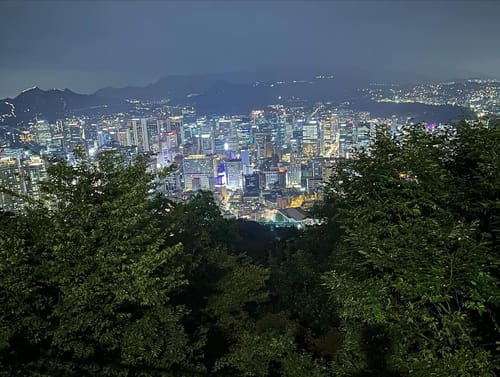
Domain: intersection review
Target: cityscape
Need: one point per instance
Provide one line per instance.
(268, 165)
(249, 188)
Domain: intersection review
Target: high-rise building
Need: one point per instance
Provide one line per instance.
(73, 135)
(282, 177)
(145, 134)
(176, 124)
(43, 133)
(346, 135)
(296, 142)
(363, 135)
(125, 138)
(34, 173)
(200, 172)
(310, 139)
(251, 185)
(294, 172)
(206, 137)
(152, 136)
(11, 179)
(234, 170)
(329, 135)
(271, 176)
(263, 145)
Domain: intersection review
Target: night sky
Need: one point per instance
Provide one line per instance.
(89, 45)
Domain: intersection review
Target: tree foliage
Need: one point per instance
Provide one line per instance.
(103, 277)
(417, 263)
(86, 281)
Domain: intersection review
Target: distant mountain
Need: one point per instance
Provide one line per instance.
(169, 87)
(175, 87)
(226, 97)
(231, 93)
(236, 92)
(52, 104)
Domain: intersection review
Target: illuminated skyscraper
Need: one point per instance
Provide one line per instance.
(43, 133)
(310, 139)
(263, 145)
(346, 134)
(328, 136)
(125, 137)
(176, 124)
(145, 134)
(363, 135)
(73, 135)
(34, 173)
(11, 179)
(294, 172)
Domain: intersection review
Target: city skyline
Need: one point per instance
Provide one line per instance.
(87, 46)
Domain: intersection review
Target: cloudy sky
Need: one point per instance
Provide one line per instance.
(88, 45)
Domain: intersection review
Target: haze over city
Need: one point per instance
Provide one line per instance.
(85, 46)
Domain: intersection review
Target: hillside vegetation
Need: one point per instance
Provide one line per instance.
(401, 277)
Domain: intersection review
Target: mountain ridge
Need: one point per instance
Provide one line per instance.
(232, 93)
(50, 104)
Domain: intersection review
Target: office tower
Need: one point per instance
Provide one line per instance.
(152, 128)
(313, 168)
(188, 133)
(206, 137)
(225, 137)
(245, 157)
(234, 169)
(220, 145)
(280, 131)
(11, 179)
(169, 141)
(282, 177)
(207, 143)
(251, 185)
(294, 171)
(362, 135)
(112, 132)
(243, 133)
(200, 172)
(288, 132)
(245, 160)
(102, 138)
(231, 145)
(263, 145)
(58, 129)
(296, 142)
(168, 147)
(270, 176)
(72, 135)
(145, 134)
(224, 127)
(310, 139)
(346, 133)
(34, 173)
(43, 133)
(328, 136)
(176, 124)
(125, 137)
(89, 133)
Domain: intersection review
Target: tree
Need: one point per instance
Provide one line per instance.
(86, 281)
(104, 277)
(414, 276)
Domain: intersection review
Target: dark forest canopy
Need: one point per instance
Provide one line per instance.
(401, 278)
